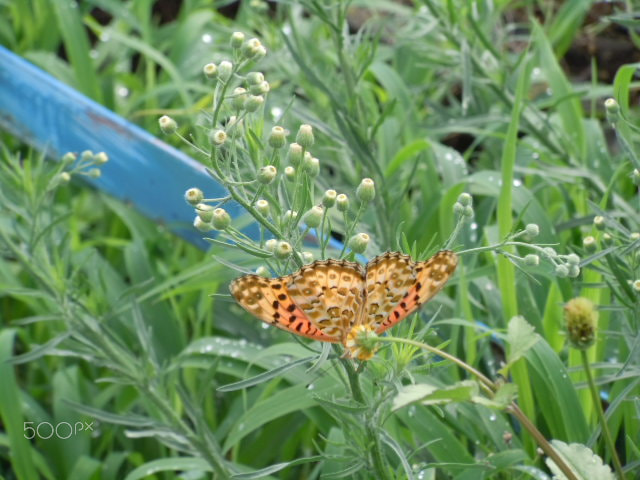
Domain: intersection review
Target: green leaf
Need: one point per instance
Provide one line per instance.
(521, 336)
(583, 462)
(276, 468)
(11, 412)
(168, 465)
(432, 395)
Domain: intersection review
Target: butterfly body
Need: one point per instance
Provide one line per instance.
(328, 300)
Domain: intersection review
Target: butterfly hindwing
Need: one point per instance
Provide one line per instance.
(268, 300)
(330, 293)
(389, 276)
(430, 277)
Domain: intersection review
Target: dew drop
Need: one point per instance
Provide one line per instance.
(206, 38)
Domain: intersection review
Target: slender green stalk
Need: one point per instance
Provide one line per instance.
(377, 458)
(603, 421)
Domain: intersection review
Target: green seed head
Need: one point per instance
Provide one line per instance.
(599, 222)
(221, 219)
(305, 136)
(168, 125)
(366, 191)
(225, 69)
(290, 173)
(217, 137)
(533, 230)
(202, 225)
(532, 260)
(278, 137)
(295, 154)
(239, 97)
(253, 103)
(581, 318)
(193, 196)
(342, 202)
(465, 199)
(314, 216)
(210, 70)
(589, 244)
(205, 212)
(255, 78)
(237, 39)
(283, 250)
(267, 174)
(263, 207)
(358, 243)
(329, 198)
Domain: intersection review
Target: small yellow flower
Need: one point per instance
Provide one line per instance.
(361, 342)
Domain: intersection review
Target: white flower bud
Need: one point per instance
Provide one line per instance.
(329, 198)
(366, 191)
(262, 206)
(168, 125)
(225, 69)
(283, 250)
(358, 243)
(342, 202)
(202, 225)
(193, 196)
(305, 136)
(314, 216)
(465, 199)
(267, 174)
(221, 219)
(270, 245)
(237, 39)
(210, 70)
(217, 137)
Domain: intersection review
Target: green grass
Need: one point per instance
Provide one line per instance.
(107, 318)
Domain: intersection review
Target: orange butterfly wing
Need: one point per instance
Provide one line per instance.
(330, 293)
(269, 300)
(405, 285)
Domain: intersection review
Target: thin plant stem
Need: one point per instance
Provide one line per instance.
(603, 421)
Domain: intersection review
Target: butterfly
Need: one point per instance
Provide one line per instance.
(335, 300)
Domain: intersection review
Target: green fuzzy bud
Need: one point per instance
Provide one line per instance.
(221, 219)
(458, 209)
(202, 225)
(634, 236)
(532, 229)
(635, 177)
(86, 156)
(283, 250)
(550, 252)
(599, 222)
(613, 110)
(465, 199)
(168, 125)
(205, 212)
(64, 177)
(636, 285)
(532, 260)
(307, 257)
(573, 259)
(270, 245)
(101, 158)
(366, 191)
(561, 271)
(278, 137)
(574, 271)
(607, 239)
(314, 216)
(68, 158)
(239, 97)
(263, 271)
(193, 196)
(250, 47)
(253, 103)
(225, 69)
(234, 125)
(210, 71)
(290, 173)
(267, 174)
(312, 166)
(342, 202)
(260, 52)
(359, 242)
(255, 78)
(237, 39)
(468, 212)
(94, 173)
(329, 198)
(295, 154)
(217, 137)
(589, 244)
(260, 88)
(289, 216)
(305, 136)
(262, 206)
(581, 318)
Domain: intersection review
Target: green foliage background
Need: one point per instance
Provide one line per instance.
(107, 317)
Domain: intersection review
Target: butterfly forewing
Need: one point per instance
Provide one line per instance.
(330, 293)
(389, 276)
(430, 277)
(269, 300)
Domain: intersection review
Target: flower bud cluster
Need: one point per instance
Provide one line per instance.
(87, 164)
(207, 217)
